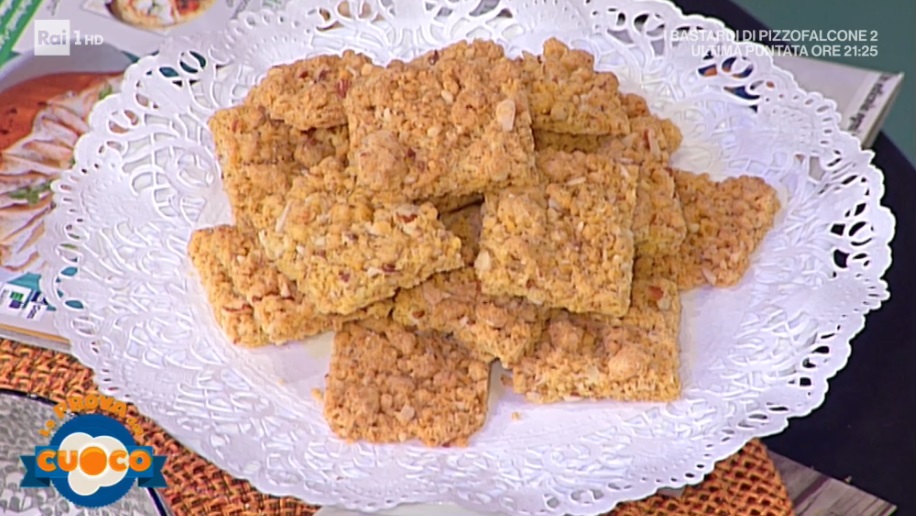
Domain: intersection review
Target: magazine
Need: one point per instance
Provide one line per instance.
(59, 57)
(864, 97)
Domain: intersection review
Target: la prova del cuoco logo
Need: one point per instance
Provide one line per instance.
(92, 459)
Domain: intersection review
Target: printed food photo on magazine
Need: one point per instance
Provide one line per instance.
(45, 103)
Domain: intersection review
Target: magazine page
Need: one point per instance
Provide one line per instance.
(864, 97)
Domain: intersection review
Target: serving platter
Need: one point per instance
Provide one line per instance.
(753, 356)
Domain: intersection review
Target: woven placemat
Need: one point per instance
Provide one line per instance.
(746, 484)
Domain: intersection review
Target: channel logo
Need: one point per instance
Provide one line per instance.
(93, 461)
(54, 38)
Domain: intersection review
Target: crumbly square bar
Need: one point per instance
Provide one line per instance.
(232, 311)
(257, 191)
(309, 93)
(447, 124)
(389, 385)
(726, 221)
(247, 185)
(246, 134)
(250, 186)
(633, 358)
(567, 243)
(259, 156)
(282, 310)
(500, 327)
(567, 95)
(658, 223)
(346, 253)
(230, 259)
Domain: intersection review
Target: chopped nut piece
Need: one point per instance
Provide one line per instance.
(505, 114)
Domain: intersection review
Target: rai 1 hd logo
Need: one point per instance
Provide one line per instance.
(92, 460)
(54, 38)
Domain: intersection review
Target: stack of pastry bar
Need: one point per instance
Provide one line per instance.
(459, 209)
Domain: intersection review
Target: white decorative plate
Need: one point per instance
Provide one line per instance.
(753, 355)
